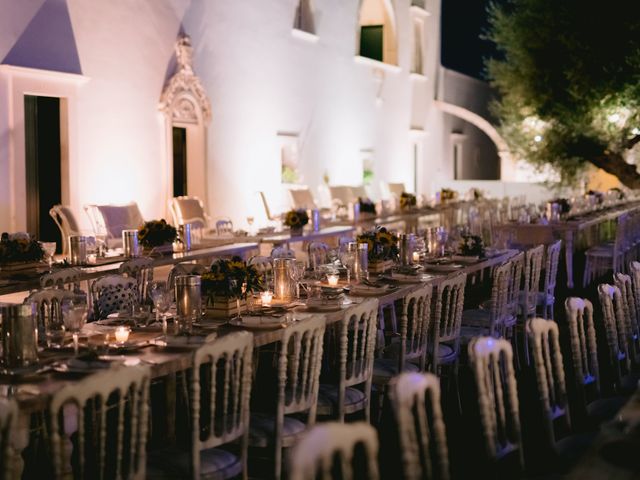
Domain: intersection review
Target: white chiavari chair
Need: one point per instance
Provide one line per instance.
(10, 461)
(188, 210)
(528, 295)
(415, 401)
(629, 306)
(224, 227)
(330, 447)
(113, 293)
(48, 307)
(546, 298)
(299, 359)
(317, 254)
(67, 277)
(98, 425)
(607, 257)
(142, 270)
(491, 361)
(355, 339)
(447, 322)
(219, 412)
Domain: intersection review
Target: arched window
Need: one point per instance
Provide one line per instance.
(304, 17)
(377, 39)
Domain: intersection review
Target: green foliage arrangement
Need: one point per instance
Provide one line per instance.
(382, 244)
(407, 201)
(296, 218)
(569, 83)
(19, 248)
(231, 279)
(156, 233)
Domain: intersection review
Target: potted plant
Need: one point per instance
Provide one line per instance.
(296, 220)
(157, 236)
(382, 248)
(226, 285)
(19, 250)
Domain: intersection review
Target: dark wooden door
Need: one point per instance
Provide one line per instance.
(179, 161)
(43, 171)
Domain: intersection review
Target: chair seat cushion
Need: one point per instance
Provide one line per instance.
(605, 408)
(388, 367)
(215, 463)
(328, 398)
(263, 425)
(446, 353)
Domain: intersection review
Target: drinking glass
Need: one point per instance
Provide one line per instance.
(49, 250)
(348, 259)
(297, 274)
(54, 329)
(74, 314)
(250, 220)
(162, 298)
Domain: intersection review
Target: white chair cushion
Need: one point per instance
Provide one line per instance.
(446, 353)
(120, 217)
(263, 425)
(388, 367)
(328, 398)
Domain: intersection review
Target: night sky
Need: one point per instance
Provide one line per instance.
(463, 21)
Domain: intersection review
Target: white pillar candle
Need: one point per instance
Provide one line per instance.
(266, 298)
(122, 334)
(332, 279)
(416, 257)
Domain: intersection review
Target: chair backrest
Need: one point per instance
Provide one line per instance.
(66, 276)
(9, 457)
(415, 401)
(532, 269)
(584, 348)
(634, 271)
(551, 260)
(99, 411)
(630, 308)
(317, 252)
(492, 364)
(544, 341)
(66, 221)
(113, 293)
(515, 285)
(415, 322)
(282, 252)
(299, 361)
(48, 307)
(184, 269)
(302, 198)
(356, 347)
(447, 318)
(499, 312)
(110, 220)
(618, 338)
(332, 445)
(224, 226)
(188, 210)
(222, 374)
(141, 269)
(341, 195)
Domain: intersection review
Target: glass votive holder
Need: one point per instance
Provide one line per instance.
(92, 259)
(122, 334)
(266, 297)
(332, 279)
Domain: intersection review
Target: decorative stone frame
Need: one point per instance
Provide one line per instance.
(15, 83)
(184, 103)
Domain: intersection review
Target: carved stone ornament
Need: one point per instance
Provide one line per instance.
(184, 94)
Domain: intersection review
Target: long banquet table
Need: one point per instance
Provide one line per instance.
(34, 395)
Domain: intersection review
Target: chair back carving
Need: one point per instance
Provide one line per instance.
(634, 271)
(99, 411)
(447, 318)
(584, 349)
(531, 284)
(492, 364)
(415, 322)
(10, 462)
(515, 285)
(222, 373)
(551, 260)
(48, 307)
(629, 306)
(224, 227)
(142, 270)
(113, 293)
(499, 312)
(544, 340)
(332, 445)
(415, 401)
(317, 252)
(282, 252)
(618, 337)
(61, 278)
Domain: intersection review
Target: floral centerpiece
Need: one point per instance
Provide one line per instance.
(382, 248)
(367, 206)
(156, 233)
(226, 285)
(471, 246)
(448, 194)
(19, 248)
(407, 201)
(296, 220)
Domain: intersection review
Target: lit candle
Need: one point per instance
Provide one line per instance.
(266, 298)
(332, 279)
(122, 334)
(416, 257)
(91, 259)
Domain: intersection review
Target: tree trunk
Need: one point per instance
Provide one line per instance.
(615, 164)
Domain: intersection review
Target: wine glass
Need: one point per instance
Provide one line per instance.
(49, 250)
(297, 274)
(348, 259)
(250, 220)
(162, 298)
(74, 314)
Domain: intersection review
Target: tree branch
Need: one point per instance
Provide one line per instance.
(632, 142)
(615, 164)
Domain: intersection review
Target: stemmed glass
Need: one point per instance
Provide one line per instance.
(348, 259)
(297, 274)
(74, 314)
(49, 250)
(250, 220)
(162, 298)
